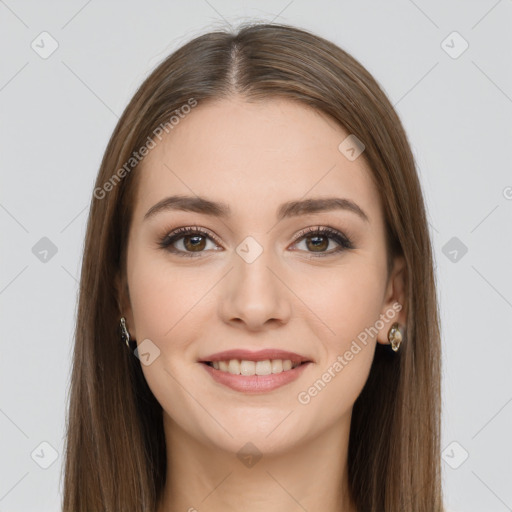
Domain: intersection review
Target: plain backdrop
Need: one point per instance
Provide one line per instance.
(446, 68)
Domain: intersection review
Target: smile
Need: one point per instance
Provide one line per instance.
(255, 372)
(247, 368)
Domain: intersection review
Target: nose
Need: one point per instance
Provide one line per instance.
(254, 295)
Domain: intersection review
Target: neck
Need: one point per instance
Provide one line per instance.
(313, 476)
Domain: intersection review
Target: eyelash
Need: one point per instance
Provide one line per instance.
(342, 240)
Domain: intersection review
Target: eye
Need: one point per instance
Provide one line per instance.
(191, 241)
(317, 240)
(187, 241)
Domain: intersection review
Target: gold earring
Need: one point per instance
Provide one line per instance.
(395, 336)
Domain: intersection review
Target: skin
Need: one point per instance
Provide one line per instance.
(253, 157)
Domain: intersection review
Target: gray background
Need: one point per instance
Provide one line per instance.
(57, 114)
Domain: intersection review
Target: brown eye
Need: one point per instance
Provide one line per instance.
(187, 241)
(317, 241)
(194, 242)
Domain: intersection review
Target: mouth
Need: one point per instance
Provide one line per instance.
(255, 372)
(249, 368)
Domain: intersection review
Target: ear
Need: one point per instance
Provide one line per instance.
(124, 304)
(394, 308)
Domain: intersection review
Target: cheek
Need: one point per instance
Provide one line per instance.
(151, 302)
(161, 296)
(350, 300)
(359, 301)
(346, 299)
(350, 305)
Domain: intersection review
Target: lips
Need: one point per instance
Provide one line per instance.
(255, 371)
(260, 355)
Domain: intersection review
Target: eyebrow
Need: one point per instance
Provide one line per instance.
(221, 210)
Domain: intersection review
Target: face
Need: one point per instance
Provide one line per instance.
(257, 281)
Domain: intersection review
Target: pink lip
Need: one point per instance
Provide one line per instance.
(255, 383)
(260, 355)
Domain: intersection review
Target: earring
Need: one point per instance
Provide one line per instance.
(395, 336)
(125, 335)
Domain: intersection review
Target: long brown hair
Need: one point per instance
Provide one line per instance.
(115, 448)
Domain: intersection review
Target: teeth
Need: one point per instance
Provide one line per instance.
(277, 366)
(234, 367)
(248, 368)
(263, 367)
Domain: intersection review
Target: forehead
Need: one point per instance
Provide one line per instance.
(255, 155)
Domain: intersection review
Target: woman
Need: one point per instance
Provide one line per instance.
(257, 325)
